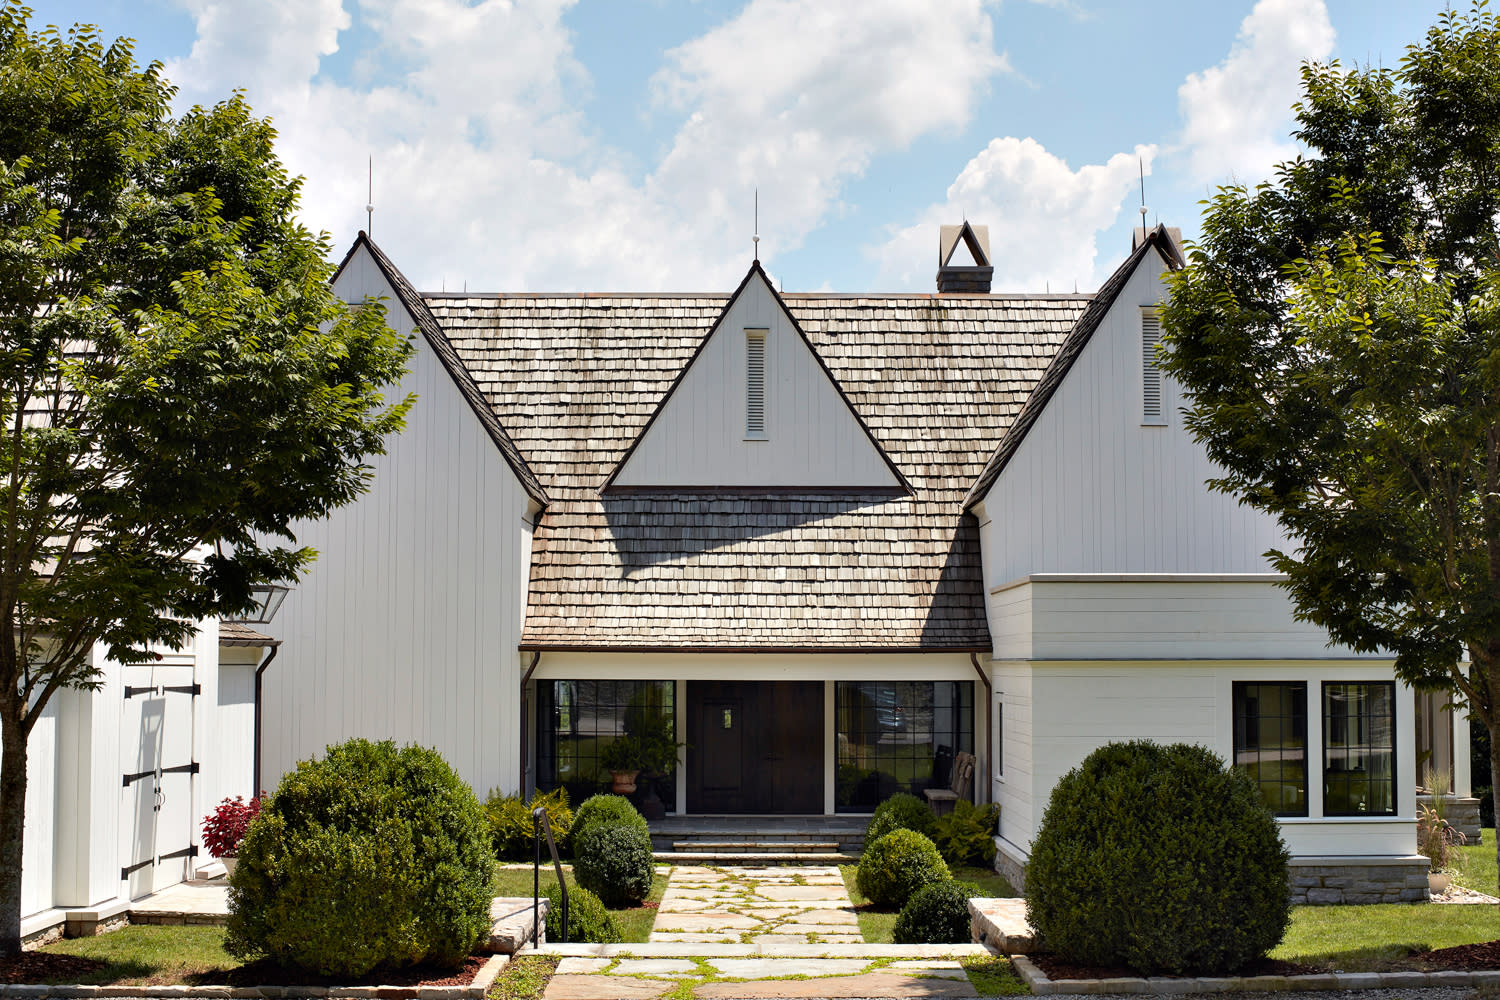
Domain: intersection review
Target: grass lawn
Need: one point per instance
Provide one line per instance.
(1378, 938)
(150, 955)
(876, 926)
(1477, 869)
(635, 923)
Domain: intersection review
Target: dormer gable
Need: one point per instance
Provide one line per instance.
(755, 408)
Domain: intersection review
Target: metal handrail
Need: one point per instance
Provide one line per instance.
(543, 825)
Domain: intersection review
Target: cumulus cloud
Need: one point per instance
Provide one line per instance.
(1044, 217)
(485, 171)
(1236, 114)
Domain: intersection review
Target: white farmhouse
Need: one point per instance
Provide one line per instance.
(832, 543)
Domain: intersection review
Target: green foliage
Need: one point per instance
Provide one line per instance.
(608, 810)
(966, 836)
(1161, 859)
(189, 381)
(935, 914)
(588, 920)
(374, 857)
(513, 831)
(900, 812)
(613, 861)
(897, 865)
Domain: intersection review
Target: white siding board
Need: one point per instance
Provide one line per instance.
(407, 625)
(813, 438)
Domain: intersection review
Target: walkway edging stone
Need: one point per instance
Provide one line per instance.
(1041, 985)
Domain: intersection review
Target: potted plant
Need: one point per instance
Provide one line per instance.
(622, 759)
(224, 829)
(1439, 841)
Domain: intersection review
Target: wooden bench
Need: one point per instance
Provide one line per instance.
(960, 785)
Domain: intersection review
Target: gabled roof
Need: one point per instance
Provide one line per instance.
(1159, 241)
(755, 269)
(462, 380)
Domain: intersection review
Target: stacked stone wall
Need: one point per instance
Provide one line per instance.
(1333, 881)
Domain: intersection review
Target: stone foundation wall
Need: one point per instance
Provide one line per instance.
(1013, 872)
(1331, 881)
(1462, 814)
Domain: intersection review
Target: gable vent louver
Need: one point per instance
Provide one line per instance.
(1151, 409)
(755, 383)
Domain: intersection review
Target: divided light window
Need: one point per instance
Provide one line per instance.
(1151, 392)
(1359, 748)
(1270, 742)
(755, 384)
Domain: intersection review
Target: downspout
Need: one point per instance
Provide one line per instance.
(525, 720)
(989, 707)
(275, 648)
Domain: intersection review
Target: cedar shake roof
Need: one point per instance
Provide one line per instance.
(1159, 240)
(575, 378)
(238, 634)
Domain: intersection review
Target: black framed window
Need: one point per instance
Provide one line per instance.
(1359, 748)
(1270, 742)
(577, 719)
(898, 736)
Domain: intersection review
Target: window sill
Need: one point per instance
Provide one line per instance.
(1298, 820)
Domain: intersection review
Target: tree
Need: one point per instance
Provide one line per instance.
(1337, 332)
(178, 381)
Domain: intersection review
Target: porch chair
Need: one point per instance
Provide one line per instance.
(960, 785)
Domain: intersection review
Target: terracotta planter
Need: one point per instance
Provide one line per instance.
(1437, 883)
(624, 782)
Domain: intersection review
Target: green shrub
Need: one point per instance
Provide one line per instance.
(935, 914)
(613, 861)
(610, 810)
(374, 857)
(897, 865)
(900, 812)
(1161, 859)
(966, 836)
(588, 920)
(512, 830)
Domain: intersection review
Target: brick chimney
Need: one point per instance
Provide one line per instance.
(970, 279)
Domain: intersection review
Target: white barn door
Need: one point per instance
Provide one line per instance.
(157, 754)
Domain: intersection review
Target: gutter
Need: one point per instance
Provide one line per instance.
(275, 648)
(989, 727)
(536, 658)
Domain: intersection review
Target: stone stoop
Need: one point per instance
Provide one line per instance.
(512, 926)
(758, 840)
(1000, 925)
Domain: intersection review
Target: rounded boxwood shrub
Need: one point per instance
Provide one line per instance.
(1161, 859)
(900, 812)
(613, 861)
(588, 920)
(607, 809)
(373, 857)
(935, 914)
(897, 865)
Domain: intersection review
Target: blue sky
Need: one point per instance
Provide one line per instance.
(538, 145)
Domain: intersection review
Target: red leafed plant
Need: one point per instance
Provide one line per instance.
(224, 828)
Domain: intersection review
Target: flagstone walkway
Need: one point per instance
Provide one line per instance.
(772, 932)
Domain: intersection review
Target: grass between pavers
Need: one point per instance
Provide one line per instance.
(877, 926)
(524, 978)
(149, 955)
(635, 923)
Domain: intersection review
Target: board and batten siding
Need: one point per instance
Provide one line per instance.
(41, 805)
(1014, 778)
(1092, 489)
(406, 626)
(812, 438)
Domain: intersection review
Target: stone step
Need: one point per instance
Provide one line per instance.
(683, 949)
(753, 859)
(756, 846)
(511, 923)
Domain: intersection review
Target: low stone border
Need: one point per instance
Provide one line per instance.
(1040, 985)
(483, 980)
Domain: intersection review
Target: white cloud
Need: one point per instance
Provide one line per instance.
(485, 170)
(1044, 217)
(1236, 114)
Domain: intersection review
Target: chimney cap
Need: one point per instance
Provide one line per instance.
(977, 238)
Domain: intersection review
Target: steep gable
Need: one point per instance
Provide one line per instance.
(756, 408)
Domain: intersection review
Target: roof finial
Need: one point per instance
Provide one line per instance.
(370, 201)
(756, 238)
(1141, 161)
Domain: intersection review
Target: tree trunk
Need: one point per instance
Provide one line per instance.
(12, 823)
(1495, 785)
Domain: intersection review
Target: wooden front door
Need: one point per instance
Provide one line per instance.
(755, 747)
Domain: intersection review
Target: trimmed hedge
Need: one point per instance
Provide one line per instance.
(897, 865)
(935, 914)
(374, 857)
(614, 862)
(588, 920)
(1161, 859)
(900, 812)
(609, 810)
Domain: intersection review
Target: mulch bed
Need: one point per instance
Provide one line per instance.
(265, 973)
(1057, 968)
(1462, 958)
(37, 966)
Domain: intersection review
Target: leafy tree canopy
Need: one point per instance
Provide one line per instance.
(178, 382)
